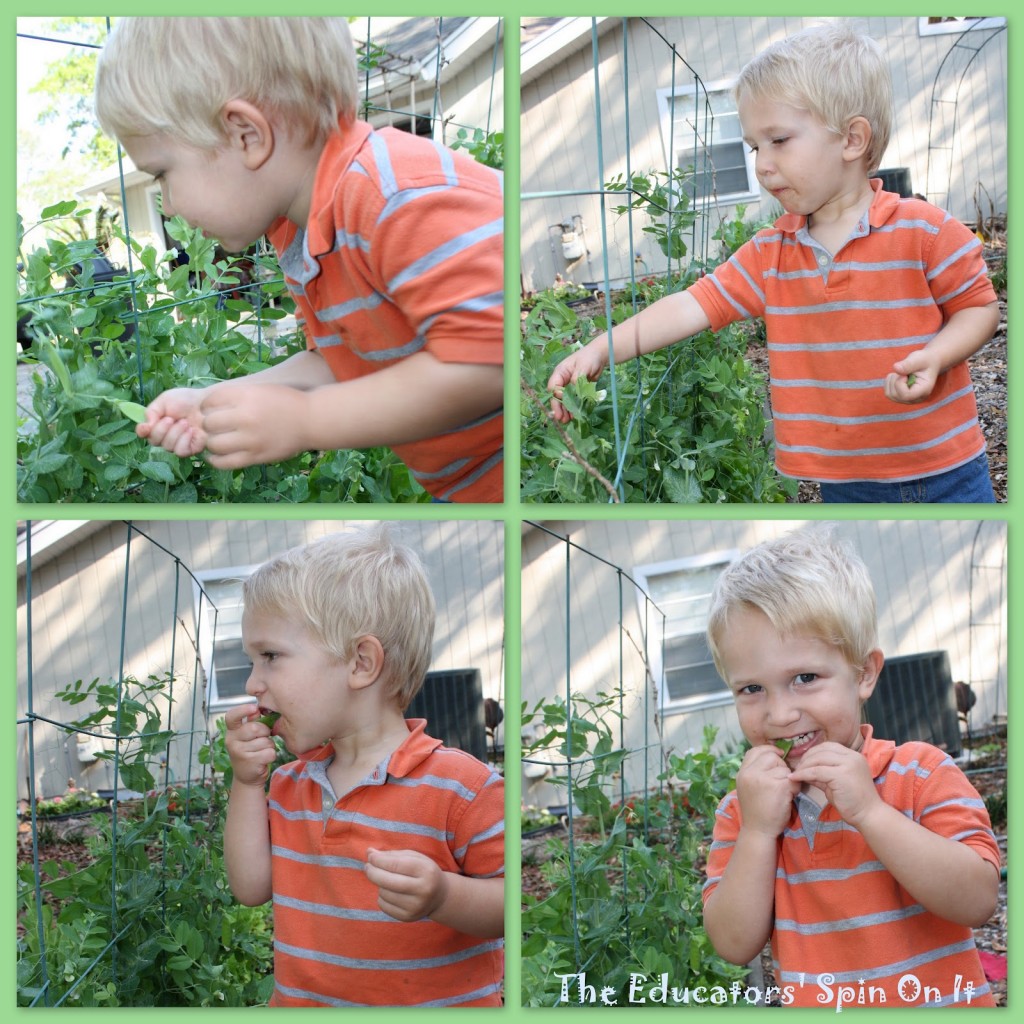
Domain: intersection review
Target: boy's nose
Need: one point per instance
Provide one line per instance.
(252, 686)
(782, 711)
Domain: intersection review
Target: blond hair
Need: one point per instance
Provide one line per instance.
(173, 76)
(361, 582)
(806, 584)
(832, 72)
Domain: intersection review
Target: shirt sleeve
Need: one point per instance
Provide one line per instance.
(437, 253)
(946, 803)
(723, 840)
(733, 291)
(479, 835)
(957, 274)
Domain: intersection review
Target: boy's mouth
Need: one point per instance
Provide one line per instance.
(800, 742)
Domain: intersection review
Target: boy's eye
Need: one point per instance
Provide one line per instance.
(779, 142)
(750, 688)
(806, 677)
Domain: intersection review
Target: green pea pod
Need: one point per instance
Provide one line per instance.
(270, 719)
(911, 380)
(132, 410)
(785, 746)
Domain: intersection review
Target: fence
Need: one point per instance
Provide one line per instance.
(182, 312)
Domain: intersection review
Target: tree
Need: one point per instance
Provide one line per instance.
(68, 86)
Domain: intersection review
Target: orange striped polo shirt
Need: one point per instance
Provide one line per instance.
(841, 919)
(333, 946)
(837, 323)
(403, 253)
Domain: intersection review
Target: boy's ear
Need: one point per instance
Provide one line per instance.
(858, 138)
(869, 673)
(367, 663)
(249, 132)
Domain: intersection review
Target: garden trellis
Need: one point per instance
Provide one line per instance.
(140, 941)
(624, 875)
(684, 426)
(181, 312)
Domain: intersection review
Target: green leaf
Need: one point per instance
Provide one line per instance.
(158, 471)
(61, 209)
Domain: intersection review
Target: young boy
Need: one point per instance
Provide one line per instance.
(871, 303)
(390, 244)
(866, 863)
(382, 850)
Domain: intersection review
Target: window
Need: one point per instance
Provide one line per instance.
(945, 26)
(701, 132)
(218, 611)
(680, 660)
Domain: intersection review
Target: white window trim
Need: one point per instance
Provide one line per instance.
(642, 574)
(944, 28)
(203, 615)
(664, 97)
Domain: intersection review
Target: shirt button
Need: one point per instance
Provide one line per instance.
(822, 260)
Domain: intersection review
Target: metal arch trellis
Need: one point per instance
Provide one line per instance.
(702, 125)
(198, 726)
(942, 111)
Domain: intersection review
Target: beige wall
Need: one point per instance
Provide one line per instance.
(78, 595)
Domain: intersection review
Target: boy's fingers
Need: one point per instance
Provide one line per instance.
(236, 716)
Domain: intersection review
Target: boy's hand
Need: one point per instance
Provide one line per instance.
(843, 776)
(765, 789)
(174, 422)
(913, 378)
(248, 424)
(586, 362)
(411, 885)
(249, 745)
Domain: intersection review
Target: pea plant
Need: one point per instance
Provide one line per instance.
(683, 424)
(148, 919)
(105, 349)
(621, 900)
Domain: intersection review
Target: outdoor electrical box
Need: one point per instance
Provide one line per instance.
(914, 699)
(452, 702)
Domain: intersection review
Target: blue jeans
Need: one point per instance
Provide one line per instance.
(967, 484)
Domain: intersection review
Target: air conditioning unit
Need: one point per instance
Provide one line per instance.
(452, 703)
(915, 700)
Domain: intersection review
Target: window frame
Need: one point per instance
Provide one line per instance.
(965, 24)
(666, 98)
(204, 609)
(655, 644)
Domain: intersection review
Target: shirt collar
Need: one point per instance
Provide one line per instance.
(338, 154)
(883, 206)
(878, 752)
